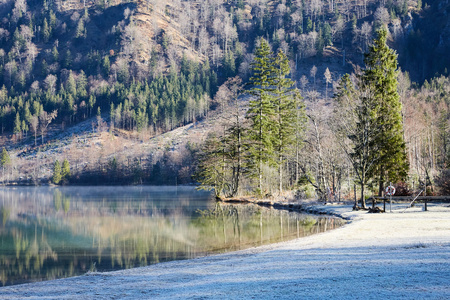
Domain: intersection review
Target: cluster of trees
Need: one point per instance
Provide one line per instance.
(61, 174)
(250, 149)
(162, 103)
(366, 123)
(368, 119)
(54, 84)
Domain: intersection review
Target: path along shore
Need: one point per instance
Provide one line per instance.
(400, 255)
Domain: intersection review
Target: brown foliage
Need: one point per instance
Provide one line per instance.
(443, 182)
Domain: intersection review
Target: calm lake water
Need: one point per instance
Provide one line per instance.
(48, 233)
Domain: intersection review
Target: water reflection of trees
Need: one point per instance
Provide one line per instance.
(54, 234)
(232, 227)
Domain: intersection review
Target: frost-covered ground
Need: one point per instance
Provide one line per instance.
(376, 256)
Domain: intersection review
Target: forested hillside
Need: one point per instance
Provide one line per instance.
(140, 68)
(157, 63)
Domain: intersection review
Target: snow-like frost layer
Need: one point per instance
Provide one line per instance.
(376, 256)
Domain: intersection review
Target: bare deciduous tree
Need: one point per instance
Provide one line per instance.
(313, 73)
(327, 76)
(44, 121)
(34, 123)
(50, 84)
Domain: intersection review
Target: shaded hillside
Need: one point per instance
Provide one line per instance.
(425, 53)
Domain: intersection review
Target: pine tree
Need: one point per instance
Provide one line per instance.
(56, 178)
(261, 112)
(380, 76)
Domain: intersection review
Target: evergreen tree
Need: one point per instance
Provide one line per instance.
(81, 84)
(80, 31)
(45, 31)
(229, 64)
(327, 34)
(261, 112)
(106, 65)
(380, 77)
(286, 102)
(24, 127)
(55, 54)
(17, 125)
(369, 114)
(56, 178)
(5, 161)
(91, 104)
(67, 59)
(211, 167)
(65, 172)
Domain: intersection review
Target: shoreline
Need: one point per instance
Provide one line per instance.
(391, 255)
(301, 206)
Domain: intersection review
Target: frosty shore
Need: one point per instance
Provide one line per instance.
(399, 255)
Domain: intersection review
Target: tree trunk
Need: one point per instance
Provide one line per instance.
(280, 170)
(381, 183)
(363, 200)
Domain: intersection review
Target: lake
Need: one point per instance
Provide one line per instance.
(56, 232)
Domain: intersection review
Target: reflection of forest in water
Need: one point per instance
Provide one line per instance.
(50, 233)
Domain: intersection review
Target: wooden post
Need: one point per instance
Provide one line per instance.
(390, 198)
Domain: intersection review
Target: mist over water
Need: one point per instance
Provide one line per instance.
(48, 233)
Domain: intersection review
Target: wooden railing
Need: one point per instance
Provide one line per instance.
(424, 199)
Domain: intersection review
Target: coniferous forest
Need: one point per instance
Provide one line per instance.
(321, 97)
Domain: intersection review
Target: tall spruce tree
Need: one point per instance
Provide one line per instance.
(369, 115)
(286, 102)
(380, 76)
(261, 112)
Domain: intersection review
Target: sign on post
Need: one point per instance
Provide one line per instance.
(390, 191)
